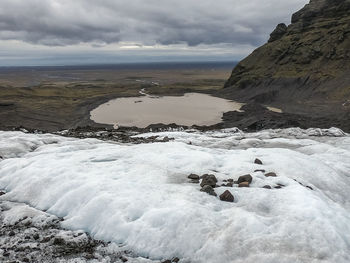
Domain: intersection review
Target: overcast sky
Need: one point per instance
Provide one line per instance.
(59, 32)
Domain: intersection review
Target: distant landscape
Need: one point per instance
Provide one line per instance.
(175, 131)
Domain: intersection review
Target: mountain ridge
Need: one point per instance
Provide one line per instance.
(304, 66)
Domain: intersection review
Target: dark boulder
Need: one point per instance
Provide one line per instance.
(267, 187)
(194, 178)
(258, 161)
(227, 196)
(209, 179)
(271, 175)
(245, 178)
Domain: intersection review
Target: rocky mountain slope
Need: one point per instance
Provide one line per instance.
(304, 66)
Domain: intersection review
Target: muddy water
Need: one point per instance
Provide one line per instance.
(190, 109)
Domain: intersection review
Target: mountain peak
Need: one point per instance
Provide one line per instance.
(308, 61)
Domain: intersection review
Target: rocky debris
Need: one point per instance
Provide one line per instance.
(209, 179)
(245, 178)
(271, 175)
(258, 161)
(267, 187)
(122, 135)
(209, 190)
(227, 196)
(279, 32)
(29, 235)
(243, 184)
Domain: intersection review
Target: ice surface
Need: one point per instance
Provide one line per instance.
(139, 195)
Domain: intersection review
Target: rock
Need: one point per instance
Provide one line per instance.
(243, 184)
(267, 187)
(230, 180)
(193, 177)
(279, 32)
(123, 259)
(12, 233)
(209, 179)
(175, 260)
(245, 178)
(209, 190)
(2, 193)
(271, 175)
(257, 161)
(259, 170)
(227, 196)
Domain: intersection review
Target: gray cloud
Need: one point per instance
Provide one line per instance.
(166, 22)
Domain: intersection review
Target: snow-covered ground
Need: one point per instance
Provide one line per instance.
(139, 195)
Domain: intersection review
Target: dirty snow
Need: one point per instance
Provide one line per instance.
(139, 195)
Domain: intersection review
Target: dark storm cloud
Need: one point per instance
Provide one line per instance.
(148, 22)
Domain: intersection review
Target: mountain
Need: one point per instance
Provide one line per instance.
(304, 67)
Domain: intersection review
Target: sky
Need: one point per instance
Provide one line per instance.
(67, 32)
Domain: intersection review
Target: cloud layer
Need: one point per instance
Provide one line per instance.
(165, 22)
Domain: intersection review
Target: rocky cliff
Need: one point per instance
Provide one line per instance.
(303, 65)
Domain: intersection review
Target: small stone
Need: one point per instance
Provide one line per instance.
(267, 187)
(257, 161)
(243, 184)
(209, 179)
(260, 170)
(124, 259)
(230, 180)
(176, 260)
(309, 187)
(2, 193)
(245, 178)
(227, 197)
(193, 177)
(166, 261)
(12, 233)
(209, 190)
(271, 175)
(36, 236)
(278, 187)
